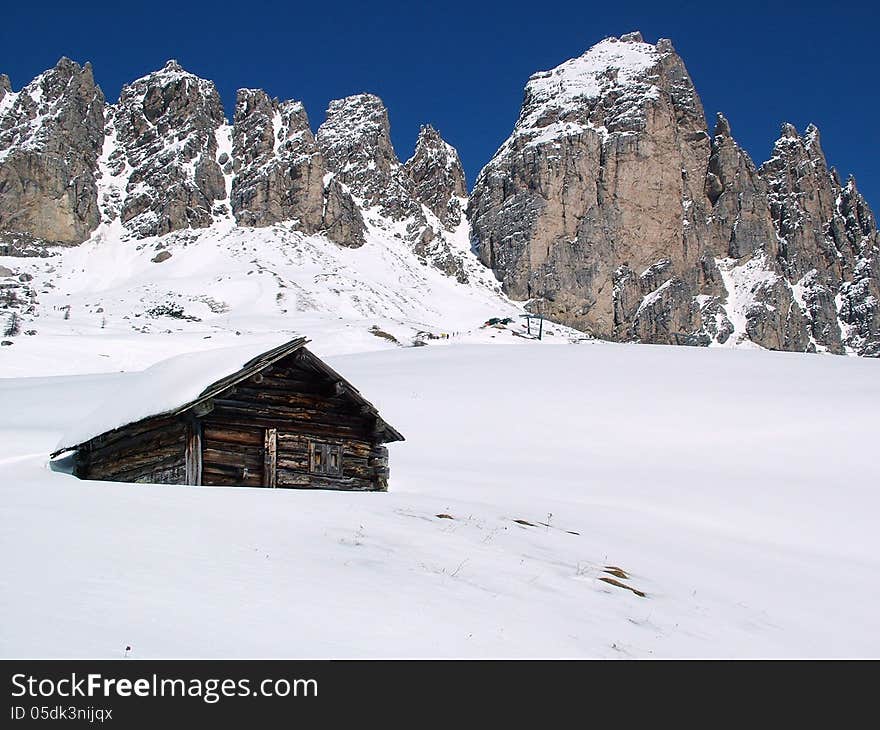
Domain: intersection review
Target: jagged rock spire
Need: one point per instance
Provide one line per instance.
(438, 177)
(166, 125)
(742, 231)
(722, 126)
(355, 140)
(633, 37)
(279, 170)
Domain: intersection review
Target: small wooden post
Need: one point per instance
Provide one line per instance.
(194, 453)
(270, 457)
(541, 318)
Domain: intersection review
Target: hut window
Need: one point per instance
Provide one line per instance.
(325, 459)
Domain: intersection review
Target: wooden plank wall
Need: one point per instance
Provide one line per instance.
(149, 451)
(293, 464)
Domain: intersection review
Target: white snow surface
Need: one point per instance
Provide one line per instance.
(737, 489)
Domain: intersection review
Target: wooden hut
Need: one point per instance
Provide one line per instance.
(282, 419)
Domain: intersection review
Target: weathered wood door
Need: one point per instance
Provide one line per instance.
(233, 455)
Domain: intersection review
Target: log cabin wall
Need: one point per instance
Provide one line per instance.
(263, 432)
(149, 451)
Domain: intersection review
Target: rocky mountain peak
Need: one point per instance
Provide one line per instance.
(633, 37)
(788, 131)
(569, 98)
(280, 171)
(798, 165)
(437, 176)
(611, 204)
(266, 129)
(65, 68)
(51, 134)
(722, 126)
(429, 138)
(561, 211)
(59, 99)
(357, 118)
(166, 127)
(172, 96)
(791, 144)
(827, 243)
(745, 248)
(355, 140)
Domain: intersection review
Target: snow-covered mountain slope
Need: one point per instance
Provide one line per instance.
(735, 489)
(116, 304)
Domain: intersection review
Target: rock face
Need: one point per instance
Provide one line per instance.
(595, 202)
(164, 159)
(355, 140)
(342, 220)
(828, 244)
(51, 134)
(279, 171)
(747, 248)
(166, 126)
(612, 208)
(858, 301)
(438, 177)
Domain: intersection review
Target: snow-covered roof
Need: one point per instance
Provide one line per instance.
(179, 383)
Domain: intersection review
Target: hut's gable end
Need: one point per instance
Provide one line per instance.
(292, 425)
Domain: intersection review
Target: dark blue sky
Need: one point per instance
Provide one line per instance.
(462, 66)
